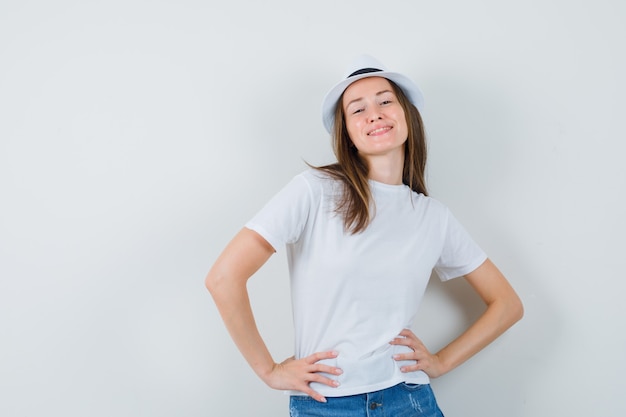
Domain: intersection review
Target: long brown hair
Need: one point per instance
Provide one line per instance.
(355, 204)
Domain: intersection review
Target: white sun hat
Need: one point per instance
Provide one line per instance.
(362, 67)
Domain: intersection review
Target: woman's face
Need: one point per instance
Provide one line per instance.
(374, 118)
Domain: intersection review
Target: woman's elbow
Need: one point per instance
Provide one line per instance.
(212, 281)
(516, 309)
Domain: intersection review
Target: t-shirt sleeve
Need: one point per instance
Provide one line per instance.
(460, 254)
(283, 218)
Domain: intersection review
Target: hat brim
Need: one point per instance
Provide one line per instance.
(410, 89)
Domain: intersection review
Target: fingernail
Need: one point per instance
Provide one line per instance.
(322, 400)
(396, 356)
(336, 383)
(338, 371)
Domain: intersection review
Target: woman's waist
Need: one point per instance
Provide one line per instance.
(365, 370)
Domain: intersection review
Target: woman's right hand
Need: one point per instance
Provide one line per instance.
(297, 375)
(226, 281)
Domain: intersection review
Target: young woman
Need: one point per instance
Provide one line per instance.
(362, 238)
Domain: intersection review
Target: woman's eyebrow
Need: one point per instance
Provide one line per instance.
(361, 98)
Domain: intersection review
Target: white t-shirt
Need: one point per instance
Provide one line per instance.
(354, 293)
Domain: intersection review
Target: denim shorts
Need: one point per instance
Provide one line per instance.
(402, 400)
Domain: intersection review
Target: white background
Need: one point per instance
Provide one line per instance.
(137, 137)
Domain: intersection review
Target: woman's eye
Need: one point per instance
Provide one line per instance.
(357, 111)
(385, 102)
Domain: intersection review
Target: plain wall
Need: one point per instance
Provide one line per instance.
(137, 137)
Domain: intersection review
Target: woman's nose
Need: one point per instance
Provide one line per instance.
(374, 115)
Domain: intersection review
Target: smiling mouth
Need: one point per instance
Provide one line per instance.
(379, 131)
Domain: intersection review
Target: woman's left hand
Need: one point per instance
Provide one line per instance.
(424, 360)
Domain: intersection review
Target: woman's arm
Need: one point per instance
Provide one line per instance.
(226, 282)
(504, 308)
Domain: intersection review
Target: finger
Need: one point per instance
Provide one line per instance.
(318, 356)
(412, 368)
(320, 379)
(312, 393)
(405, 356)
(401, 341)
(405, 341)
(406, 333)
(317, 396)
(325, 369)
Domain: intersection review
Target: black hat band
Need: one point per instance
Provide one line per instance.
(364, 71)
